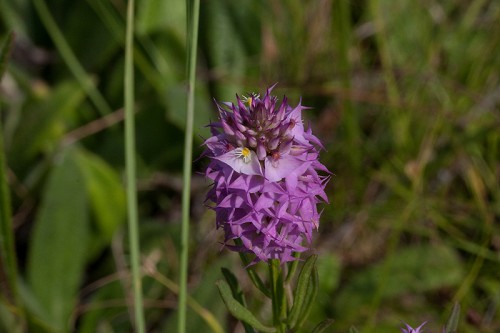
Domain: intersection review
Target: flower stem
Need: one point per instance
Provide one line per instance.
(193, 11)
(277, 296)
(70, 58)
(8, 259)
(130, 171)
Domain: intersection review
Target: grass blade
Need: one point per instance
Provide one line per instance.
(131, 172)
(8, 261)
(193, 10)
(452, 324)
(70, 59)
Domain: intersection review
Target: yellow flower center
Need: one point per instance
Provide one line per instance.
(244, 153)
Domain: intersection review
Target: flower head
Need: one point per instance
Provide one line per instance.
(264, 165)
(409, 329)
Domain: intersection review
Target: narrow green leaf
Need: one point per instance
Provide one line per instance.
(353, 330)
(4, 52)
(252, 274)
(237, 293)
(8, 261)
(293, 267)
(323, 326)
(233, 284)
(312, 292)
(70, 58)
(452, 324)
(300, 292)
(238, 310)
(130, 171)
(193, 10)
(59, 242)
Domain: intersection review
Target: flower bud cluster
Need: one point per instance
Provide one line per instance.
(264, 165)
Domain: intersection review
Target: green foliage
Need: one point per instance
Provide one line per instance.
(415, 269)
(452, 324)
(59, 244)
(238, 310)
(303, 292)
(404, 97)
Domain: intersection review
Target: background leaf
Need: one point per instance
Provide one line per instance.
(106, 196)
(415, 269)
(60, 240)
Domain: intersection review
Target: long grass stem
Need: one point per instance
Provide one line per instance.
(70, 58)
(193, 10)
(8, 259)
(133, 223)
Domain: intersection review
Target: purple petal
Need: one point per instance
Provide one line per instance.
(276, 170)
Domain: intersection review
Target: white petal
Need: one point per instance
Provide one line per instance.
(238, 164)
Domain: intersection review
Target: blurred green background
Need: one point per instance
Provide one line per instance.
(405, 96)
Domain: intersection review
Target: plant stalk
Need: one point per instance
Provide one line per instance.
(130, 166)
(193, 10)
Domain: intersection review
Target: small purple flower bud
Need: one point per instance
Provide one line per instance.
(240, 136)
(227, 129)
(409, 329)
(240, 127)
(252, 142)
(261, 151)
(273, 144)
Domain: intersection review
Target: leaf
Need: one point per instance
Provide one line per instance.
(452, 324)
(59, 242)
(312, 292)
(159, 15)
(415, 269)
(107, 197)
(323, 326)
(238, 310)
(353, 329)
(221, 31)
(237, 293)
(301, 290)
(176, 111)
(42, 122)
(8, 261)
(4, 53)
(233, 284)
(252, 274)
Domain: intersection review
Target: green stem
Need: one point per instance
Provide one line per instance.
(193, 11)
(277, 296)
(400, 120)
(70, 59)
(8, 260)
(131, 171)
(342, 28)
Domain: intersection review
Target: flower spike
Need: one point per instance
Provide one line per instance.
(267, 179)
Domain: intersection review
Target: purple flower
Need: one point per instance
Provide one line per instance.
(264, 165)
(409, 329)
